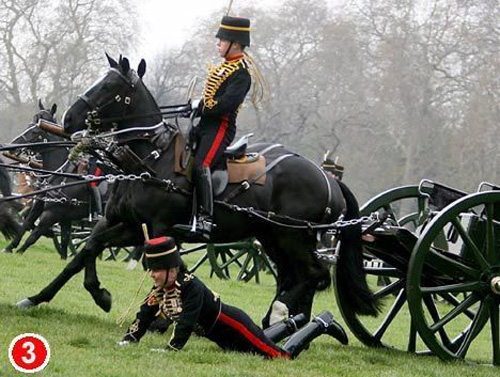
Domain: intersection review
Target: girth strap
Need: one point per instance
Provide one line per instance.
(245, 185)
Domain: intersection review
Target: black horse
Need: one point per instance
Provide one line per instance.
(295, 188)
(48, 210)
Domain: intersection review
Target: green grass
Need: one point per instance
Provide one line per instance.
(83, 338)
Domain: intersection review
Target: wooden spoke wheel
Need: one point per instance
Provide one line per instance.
(466, 276)
(405, 206)
(79, 236)
(244, 259)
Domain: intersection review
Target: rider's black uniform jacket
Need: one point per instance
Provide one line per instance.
(189, 303)
(225, 90)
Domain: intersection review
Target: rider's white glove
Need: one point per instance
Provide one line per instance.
(195, 104)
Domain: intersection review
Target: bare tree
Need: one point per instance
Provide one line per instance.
(50, 49)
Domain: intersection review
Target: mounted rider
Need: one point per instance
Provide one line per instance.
(225, 90)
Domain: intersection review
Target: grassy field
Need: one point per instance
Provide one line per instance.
(83, 338)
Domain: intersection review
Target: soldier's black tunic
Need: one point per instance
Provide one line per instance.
(195, 308)
(225, 90)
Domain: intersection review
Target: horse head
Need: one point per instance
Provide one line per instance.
(116, 100)
(34, 134)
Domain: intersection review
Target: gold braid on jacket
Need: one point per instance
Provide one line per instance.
(216, 77)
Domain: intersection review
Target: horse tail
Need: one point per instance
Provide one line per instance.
(351, 279)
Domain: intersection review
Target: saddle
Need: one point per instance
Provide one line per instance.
(240, 166)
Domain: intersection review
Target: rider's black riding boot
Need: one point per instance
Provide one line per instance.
(97, 210)
(204, 195)
(322, 324)
(282, 329)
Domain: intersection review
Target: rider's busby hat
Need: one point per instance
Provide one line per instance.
(235, 29)
(161, 253)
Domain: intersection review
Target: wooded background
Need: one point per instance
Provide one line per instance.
(400, 89)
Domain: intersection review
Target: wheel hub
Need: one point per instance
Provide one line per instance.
(495, 285)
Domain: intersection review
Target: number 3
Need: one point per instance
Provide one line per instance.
(32, 357)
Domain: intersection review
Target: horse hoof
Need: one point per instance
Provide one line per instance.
(7, 250)
(132, 264)
(103, 300)
(25, 303)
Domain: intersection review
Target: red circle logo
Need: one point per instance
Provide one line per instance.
(29, 353)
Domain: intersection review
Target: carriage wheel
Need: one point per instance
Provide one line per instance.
(405, 207)
(466, 276)
(245, 258)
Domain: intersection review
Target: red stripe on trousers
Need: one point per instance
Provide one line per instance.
(218, 139)
(251, 337)
(97, 173)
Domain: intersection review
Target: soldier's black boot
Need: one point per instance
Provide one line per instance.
(282, 329)
(202, 229)
(322, 324)
(332, 327)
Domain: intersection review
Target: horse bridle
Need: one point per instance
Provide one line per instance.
(94, 120)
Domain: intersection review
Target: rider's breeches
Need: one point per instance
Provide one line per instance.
(213, 139)
(234, 330)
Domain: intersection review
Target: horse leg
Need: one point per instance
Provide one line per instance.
(65, 239)
(278, 309)
(46, 222)
(34, 213)
(118, 235)
(101, 296)
(301, 276)
(48, 293)
(71, 269)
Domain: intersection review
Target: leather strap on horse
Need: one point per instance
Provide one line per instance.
(245, 185)
(17, 197)
(44, 171)
(270, 148)
(23, 160)
(47, 144)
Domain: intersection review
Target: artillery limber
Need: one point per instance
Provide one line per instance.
(434, 259)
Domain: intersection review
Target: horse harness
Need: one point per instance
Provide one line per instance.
(162, 138)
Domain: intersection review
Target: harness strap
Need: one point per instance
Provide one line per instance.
(328, 209)
(17, 197)
(269, 148)
(47, 144)
(245, 185)
(48, 172)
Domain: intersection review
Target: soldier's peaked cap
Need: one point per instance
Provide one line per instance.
(161, 253)
(235, 29)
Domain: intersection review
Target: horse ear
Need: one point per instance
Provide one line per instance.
(112, 62)
(141, 70)
(40, 104)
(124, 63)
(53, 109)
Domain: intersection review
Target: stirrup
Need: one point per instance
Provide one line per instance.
(199, 230)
